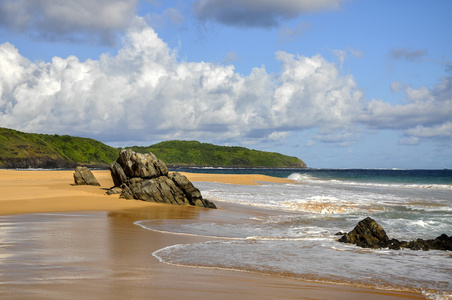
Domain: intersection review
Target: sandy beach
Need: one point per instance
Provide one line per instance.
(59, 241)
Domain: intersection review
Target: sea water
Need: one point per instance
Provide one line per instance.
(298, 239)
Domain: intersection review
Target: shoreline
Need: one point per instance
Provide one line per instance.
(84, 243)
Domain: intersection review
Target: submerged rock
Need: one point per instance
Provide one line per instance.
(369, 234)
(145, 177)
(84, 176)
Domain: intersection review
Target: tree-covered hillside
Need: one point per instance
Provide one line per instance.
(25, 150)
(194, 153)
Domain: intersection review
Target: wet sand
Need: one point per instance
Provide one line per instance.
(92, 250)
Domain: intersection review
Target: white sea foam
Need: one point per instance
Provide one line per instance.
(301, 177)
(299, 238)
(306, 178)
(311, 258)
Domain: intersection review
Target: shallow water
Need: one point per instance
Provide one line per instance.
(298, 238)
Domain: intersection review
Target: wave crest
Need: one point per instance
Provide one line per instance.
(300, 177)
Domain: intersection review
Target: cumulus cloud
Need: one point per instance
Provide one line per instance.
(311, 93)
(258, 13)
(76, 21)
(443, 130)
(145, 93)
(426, 113)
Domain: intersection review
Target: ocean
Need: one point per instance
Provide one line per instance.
(298, 238)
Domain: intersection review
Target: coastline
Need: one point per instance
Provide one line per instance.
(94, 250)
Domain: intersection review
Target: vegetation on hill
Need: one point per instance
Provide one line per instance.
(193, 153)
(25, 150)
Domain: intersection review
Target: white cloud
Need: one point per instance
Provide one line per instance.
(258, 13)
(427, 113)
(439, 130)
(144, 92)
(429, 108)
(76, 21)
(311, 93)
(277, 135)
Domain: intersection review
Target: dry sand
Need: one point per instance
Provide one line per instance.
(94, 251)
(235, 178)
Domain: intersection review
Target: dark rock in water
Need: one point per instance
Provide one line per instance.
(84, 176)
(369, 234)
(145, 177)
(442, 242)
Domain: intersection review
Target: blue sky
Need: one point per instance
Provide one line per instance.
(340, 84)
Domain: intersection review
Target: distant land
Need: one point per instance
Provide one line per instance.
(32, 150)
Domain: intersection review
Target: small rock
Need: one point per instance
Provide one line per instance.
(84, 176)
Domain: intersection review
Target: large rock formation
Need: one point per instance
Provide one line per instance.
(145, 177)
(369, 234)
(84, 176)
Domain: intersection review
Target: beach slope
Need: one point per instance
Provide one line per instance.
(59, 241)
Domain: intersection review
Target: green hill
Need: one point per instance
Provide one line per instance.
(193, 153)
(24, 150)
(32, 150)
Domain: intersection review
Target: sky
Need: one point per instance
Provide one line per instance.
(337, 83)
